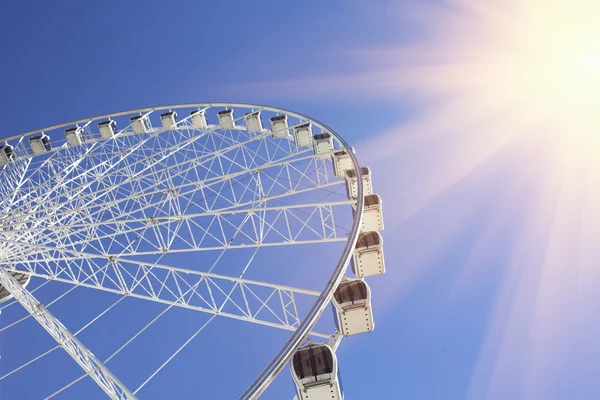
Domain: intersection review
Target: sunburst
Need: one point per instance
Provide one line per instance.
(512, 74)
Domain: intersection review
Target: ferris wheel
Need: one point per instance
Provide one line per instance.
(175, 205)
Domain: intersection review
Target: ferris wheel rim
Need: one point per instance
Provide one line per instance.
(309, 321)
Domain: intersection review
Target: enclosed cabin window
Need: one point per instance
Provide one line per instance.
(368, 241)
(372, 201)
(368, 255)
(45, 142)
(168, 119)
(279, 126)
(323, 143)
(351, 293)
(40, 144)
(140, 123)
(314, 363)
(107, 128)
(365, 171)
(372, 215)
(352, 307)
(74, 136)
(253, 122)
(303, 135)
(226, 119)
(342, 162)
(6, 154)
(352, 182)
(199, 119)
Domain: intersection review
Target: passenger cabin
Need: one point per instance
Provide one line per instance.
(6, 154)
(107, 128)
(372, 215)
(168, 119)
(226, 119)
(74, 136)
(279, 126)
(199, 119)
(253, 122)
(40, 144)
(303, 135)
(315, 372)
(352, 305)
(323, 143)
(367, 259)
(352, 182)
(22, 277)
(342, 162)
(140, 123)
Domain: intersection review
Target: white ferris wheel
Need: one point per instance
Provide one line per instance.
(174, 205)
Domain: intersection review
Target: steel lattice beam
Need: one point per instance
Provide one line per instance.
(82, 356)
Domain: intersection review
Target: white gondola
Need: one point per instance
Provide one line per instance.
(199, 119)
(107, 128)
(323, 143)
(226, 119)
(342, 162)
(6, 154)
(367, 259)
(352, 182)
(253, 122)
(373, 214)
(315, 372)
(40, 144)
(303, 135)
(169, 119)
(279, 126)
(140, 123)
(352, 305)
(21, 277)
(74, 136)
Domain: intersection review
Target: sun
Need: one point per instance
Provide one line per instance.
(532, 61)
(590, 62)
(516, 87)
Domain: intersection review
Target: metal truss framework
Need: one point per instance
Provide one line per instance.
(108, 214)
(253, 301)
(90, 364)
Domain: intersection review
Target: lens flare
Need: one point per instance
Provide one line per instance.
(590, 61)
(511, 82)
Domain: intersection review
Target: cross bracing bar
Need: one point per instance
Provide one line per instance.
(320, 303)
(197, 194)
(282, 225)
(117, 175)
(90, 364)
(238, 298)
(166, 219)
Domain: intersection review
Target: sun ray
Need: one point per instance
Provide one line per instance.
(511, 75)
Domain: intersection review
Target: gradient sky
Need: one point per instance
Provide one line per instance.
(477, 130)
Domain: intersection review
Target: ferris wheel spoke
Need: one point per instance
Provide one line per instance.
(301, 178)
(55, 224)
(148, 163)
(130, 223)
(252, 301)
(121, 211)
(80, 354)
(5, 327)
(281, 225)
(191, 188)
(151, 197)
(83, 328)
(136, 231)
(60, 233)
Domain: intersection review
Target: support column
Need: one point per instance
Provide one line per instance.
(82, 356)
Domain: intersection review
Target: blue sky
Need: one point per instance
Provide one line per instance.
(477, 303)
